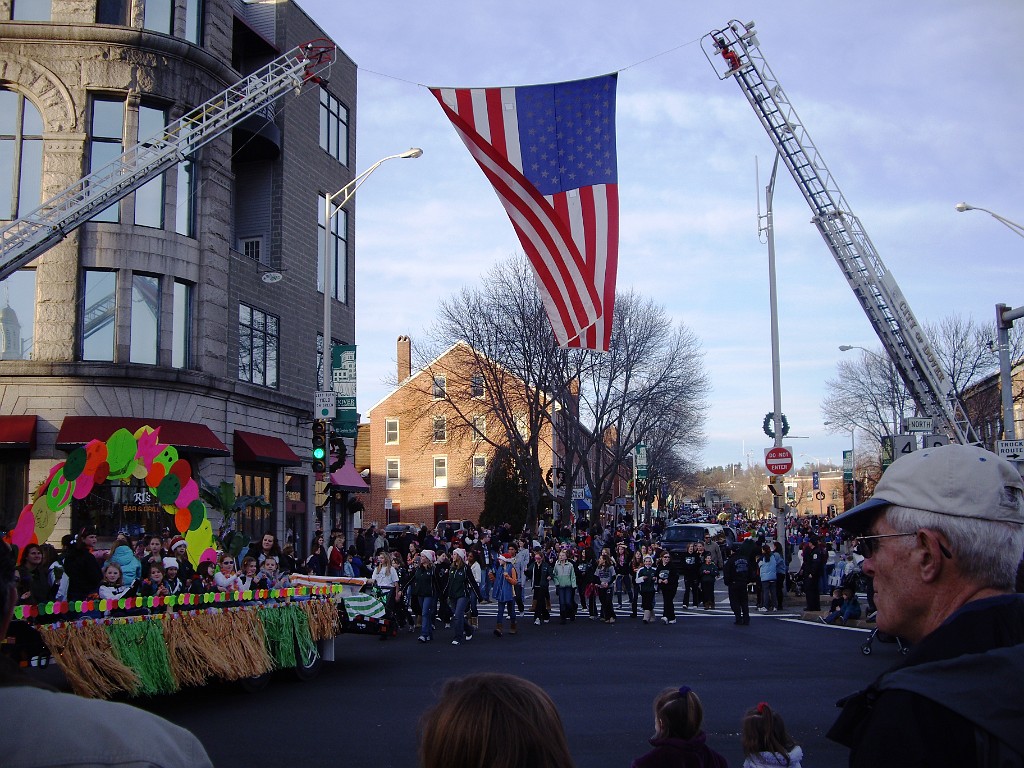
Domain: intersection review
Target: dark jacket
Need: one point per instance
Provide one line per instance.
(423, 583)
(731, 577)
(83, 571)
(670, 574)
(680, 753)
(895, 720)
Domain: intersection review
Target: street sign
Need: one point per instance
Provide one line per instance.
(820, 495)
(934, 441)
(847, 466)
(902, 445)
(918, 424)
(641, 461)
(1010, 449)
(779, 460)
(815, 480)
(323, 405)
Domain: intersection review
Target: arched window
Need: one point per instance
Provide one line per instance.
(21, 155)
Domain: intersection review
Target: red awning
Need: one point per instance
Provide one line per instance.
(263, 449)
(347, 479)
(18, 432)
(191, 438)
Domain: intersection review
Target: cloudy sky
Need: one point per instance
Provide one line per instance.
(913, 106)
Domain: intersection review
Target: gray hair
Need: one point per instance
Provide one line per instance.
(987, 551)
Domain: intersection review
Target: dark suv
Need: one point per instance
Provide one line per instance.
(677, 538)
(394, 531)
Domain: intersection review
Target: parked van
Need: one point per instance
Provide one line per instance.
(446, 530)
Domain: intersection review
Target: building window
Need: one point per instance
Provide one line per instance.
(258, 334)
(112, 12)
(333, 127)
(30, 10)
(440, 389)
(184, 203)
(194, 21)
(476, 386)
(145, 330)
(521, 428)
(149, 198)
(158, 16)
(440, 429)
(181, 326)
(479, 428)
(255, 519)
(252, 248)
(21, 155)
(17, 315)
(337, 250)
(99, 306)
(835, 493)
(106, 131)
(440, 471)
(391, 431)
(479, 471)
(392, 479)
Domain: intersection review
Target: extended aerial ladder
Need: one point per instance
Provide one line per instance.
(734, 52)
(25, 238)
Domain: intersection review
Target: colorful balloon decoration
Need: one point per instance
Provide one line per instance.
(123, 455)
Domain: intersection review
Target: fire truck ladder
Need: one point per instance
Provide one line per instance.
(25, 238)
(734, 52)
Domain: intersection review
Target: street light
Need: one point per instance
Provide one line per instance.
(1013, 226)
(848, 347)
(330, 211)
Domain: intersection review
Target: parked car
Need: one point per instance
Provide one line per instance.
(677, 538)
(393, 532)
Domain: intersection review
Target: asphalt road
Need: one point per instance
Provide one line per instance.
(363, 709)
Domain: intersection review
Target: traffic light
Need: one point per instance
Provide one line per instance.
(339, 451)
(319, 452)
(776, 486)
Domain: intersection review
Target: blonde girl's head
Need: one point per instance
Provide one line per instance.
(112, 575)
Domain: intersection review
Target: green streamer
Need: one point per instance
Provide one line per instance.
(140, 646)
(286, 628)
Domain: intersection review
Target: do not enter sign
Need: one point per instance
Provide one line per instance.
(778, 461)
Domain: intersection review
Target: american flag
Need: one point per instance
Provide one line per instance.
(549, 153)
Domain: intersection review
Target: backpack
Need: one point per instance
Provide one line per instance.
(742, 569)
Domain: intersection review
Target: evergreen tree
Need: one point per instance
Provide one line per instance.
(505, 499)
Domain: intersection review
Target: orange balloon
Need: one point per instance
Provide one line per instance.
(182, 519)
(156, 475)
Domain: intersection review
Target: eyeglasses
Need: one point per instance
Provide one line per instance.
(227, 562)
(867, 546)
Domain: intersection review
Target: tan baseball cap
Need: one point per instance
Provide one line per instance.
(955, 480)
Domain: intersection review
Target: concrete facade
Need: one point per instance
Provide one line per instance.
(62, 66)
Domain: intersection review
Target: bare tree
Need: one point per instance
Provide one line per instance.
(652, 375)
(869, 395)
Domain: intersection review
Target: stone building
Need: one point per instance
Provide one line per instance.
(154, 311)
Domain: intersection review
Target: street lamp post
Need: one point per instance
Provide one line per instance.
(330, 211)
(1004, 321)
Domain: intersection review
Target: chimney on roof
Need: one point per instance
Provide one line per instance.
(404, 358)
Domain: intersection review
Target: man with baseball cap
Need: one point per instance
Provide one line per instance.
(942, 538)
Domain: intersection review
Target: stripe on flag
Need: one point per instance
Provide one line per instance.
(549, 153)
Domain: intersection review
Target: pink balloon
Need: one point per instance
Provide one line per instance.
(189, 493)
(83, 486)
(24, 530)
(209, 556)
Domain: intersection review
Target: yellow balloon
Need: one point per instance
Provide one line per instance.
(45, 518)
(139, 472)
(199, 540)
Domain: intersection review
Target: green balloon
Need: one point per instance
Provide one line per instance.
(168, 489)
(198, 510)
(121, 449)
(75, 464)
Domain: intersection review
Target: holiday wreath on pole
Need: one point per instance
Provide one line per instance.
(769, 424)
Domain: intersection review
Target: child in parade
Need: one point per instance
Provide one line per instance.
(647, 583)
(173, 584)
(708, 576)
(668, 585)
(539, 574)
(504, 578)
(564, 575)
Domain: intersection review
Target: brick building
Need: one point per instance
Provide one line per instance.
(427, 457)
(154, 311)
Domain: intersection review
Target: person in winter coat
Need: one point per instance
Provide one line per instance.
(422, 589)
(585, 567)
(708, 576)
(736, 576)
(121, 554)
(461, 587)
(563, 573)
(691, 577)
(766, 568)
(647, 584)
(83, 570)
(766, 743)
(679, 741)
(604, 581)
(668, 585)
(538, 573)
(316, 563)
(504, 579)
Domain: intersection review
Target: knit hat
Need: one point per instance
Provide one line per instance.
(648, 557)
(170, 562)
(461, 553)
(428, 554)
(176, 542)
(505, 557)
